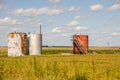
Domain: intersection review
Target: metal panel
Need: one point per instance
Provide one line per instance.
(35, 44)
(17, 44)
(80, 44)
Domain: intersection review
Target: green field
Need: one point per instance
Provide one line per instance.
(60, 64)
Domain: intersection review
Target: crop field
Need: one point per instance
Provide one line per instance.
(58, 63)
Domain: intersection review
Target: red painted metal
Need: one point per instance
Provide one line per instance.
(80, 44)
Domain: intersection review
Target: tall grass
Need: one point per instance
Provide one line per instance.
(61, 67)
(52, 67)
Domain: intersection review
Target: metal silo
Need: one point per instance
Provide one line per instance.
(80, 44)
(17, 44)
(35, 44)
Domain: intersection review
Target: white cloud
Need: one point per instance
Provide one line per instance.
(115, 34)
(73, 23)
(54, 12)
(79, 28)
(96, 7)
(55, 1)
(37, 12)
(78, 17)
(114, 7)
(105, 32)
(72, 8)
(8, 20)
(56, 30)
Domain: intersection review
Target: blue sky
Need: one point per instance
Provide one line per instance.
(60, 19)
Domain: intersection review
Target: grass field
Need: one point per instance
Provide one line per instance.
(52, 65)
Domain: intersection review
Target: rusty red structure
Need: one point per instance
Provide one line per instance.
(80, 44)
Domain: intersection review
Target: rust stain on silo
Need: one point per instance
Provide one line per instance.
(11, 35)
(23, 43)
(80, 44)
(17, 44)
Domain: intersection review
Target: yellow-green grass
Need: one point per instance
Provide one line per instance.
(61, 67)
(62, 50)
(52, 67)
(104, 48)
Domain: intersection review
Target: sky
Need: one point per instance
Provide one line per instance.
(60, 19)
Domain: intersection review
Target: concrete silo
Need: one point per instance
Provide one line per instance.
(17, 44)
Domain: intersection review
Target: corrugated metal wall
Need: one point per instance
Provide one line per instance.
(80, 44)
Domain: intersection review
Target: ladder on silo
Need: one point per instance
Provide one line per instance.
(79, 46)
